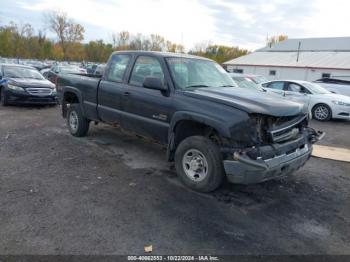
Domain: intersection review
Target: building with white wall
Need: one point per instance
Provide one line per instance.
(299, 59)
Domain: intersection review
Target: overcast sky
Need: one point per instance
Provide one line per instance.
(244, 23)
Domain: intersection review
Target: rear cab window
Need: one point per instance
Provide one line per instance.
(117, 67)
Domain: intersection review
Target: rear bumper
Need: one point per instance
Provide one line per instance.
(275, 160)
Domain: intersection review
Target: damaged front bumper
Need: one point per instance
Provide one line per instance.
(271, 161)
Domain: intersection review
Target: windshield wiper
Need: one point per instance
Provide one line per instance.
(227, 86)
(196, 86)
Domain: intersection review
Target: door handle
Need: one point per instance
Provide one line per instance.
(126, 93)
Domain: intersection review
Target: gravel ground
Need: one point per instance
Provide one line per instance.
(112, 193)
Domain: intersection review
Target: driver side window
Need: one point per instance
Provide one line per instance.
(145, 66)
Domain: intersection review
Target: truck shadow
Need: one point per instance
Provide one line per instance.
(148, 159)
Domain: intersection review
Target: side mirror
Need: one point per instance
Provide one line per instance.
(333, 92)
(155, 83)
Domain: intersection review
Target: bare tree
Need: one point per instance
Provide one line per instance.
(157, 42)
(270, 41)
(201, 47)
(114, 40)
(123, 38)
(66, 30)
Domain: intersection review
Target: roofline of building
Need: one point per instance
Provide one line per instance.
(301, 51)
(305, 67)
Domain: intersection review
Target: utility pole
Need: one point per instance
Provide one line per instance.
(298, 51)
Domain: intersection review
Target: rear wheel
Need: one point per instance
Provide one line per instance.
(77, 124)
(198, 164)
(3, 97)
(322, 112)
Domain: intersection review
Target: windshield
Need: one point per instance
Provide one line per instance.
(259, 79)
(245, 82)
(22, 72)
(192, 73)
(315, 88)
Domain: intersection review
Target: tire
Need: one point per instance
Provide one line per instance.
(77, 124)
(321, 112)
(3, 98)
(199, 154)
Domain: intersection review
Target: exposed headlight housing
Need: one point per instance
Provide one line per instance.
(341, 103)
(16, 88)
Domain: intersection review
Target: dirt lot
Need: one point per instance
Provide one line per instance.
(110, 193)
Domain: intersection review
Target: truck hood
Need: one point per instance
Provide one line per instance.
(250, 101)
(30, 82)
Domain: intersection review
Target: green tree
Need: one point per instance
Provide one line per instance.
(218, 53)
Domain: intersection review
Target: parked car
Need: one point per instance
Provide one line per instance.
(337, 86)
(90, 68)
(244, 82)
(25, 85)
(64, 69)
(188, 103)
(45, 72)
(323, 105)
(257, 79)
(100, 69)
(37, 64)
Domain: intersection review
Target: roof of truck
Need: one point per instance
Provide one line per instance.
(161, 54)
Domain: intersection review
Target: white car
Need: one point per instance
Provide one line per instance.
(337, 86)
(323, 105)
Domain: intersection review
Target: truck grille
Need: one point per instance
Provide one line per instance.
(39, 91)
(272, 129)
(287, 130)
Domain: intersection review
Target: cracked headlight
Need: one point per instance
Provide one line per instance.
(341, 103)
(16, 88)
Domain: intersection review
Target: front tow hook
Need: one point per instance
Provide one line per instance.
(321, 135)
(315, 136)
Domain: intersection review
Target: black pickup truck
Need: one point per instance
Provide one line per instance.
(213, 130)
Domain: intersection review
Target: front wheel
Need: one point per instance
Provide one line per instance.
(78, 125)
(198, 164)
(322, 112)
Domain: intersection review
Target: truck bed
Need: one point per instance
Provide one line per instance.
(86, 84)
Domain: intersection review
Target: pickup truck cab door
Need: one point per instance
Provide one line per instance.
(147, 111)
(112, 88)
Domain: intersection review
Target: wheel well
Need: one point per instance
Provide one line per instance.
(313, 108)
(321, 104)
(68, 98)
(187, 128)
